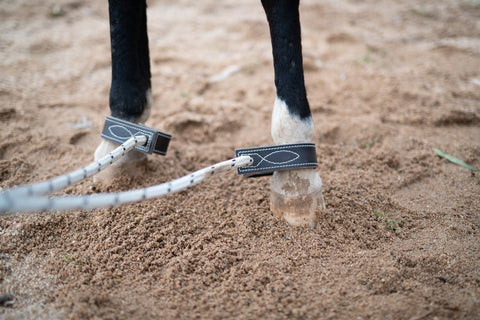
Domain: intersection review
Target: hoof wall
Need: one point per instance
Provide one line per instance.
(132, 164)
(296, 196)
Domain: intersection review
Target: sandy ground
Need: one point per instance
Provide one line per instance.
(388, 81)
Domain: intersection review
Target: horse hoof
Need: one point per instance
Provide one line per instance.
(296, 196)
(130, 165)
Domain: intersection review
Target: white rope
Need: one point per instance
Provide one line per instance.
(42, 203)
(60, 182)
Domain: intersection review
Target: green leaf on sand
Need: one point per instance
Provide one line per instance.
(453, 159)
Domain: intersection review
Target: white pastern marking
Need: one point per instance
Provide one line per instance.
(288, 128)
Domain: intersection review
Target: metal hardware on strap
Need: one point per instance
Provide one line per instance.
(119, 131)
(268, 159)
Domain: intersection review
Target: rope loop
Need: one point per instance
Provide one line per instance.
(34, 197)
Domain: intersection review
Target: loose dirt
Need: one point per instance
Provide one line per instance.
(387, 81)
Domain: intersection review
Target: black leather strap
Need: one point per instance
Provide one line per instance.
(267, 159)
(119, 131)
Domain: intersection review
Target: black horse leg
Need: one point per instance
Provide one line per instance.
(296, 195)
(130, 88)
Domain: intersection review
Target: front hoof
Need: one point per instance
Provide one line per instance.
(296, 196)
(131, 165)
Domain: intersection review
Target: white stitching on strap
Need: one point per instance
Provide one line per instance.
(253, 151)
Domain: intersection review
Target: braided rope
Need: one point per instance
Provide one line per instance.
(11, 204)
(63, 181)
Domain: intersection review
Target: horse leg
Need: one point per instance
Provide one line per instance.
(296, 195)
(130, 91)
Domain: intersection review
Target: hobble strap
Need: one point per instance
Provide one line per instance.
(268, 159)
(119, 131)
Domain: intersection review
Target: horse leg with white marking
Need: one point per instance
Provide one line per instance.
(130, 91)
(296, 195)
